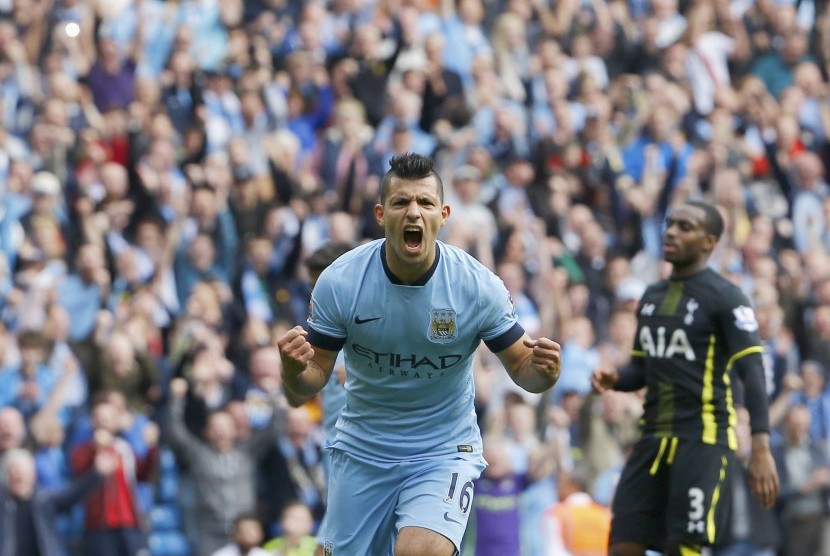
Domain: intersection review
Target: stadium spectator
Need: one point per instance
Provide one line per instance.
(223, 471)
(72, 380)
(117, 365)
(443, 85)
(252, 389)
(752, 529)
(607, 428)
(128, 424)
(804, 480)
(12, 429)
(111, 77)
(815, 396)
(296, 524)
(344, 158)
(577, 524)
(579, 352)
(29, 512)
(29, 387)
(302, 452)
(247, 538)
(114, 520)
(497, 513)
(463, 29)
(776, 69)
(710, 49)
(473, 226)
(51, 463)
(780, 351)
(368, 83)
(197, 263)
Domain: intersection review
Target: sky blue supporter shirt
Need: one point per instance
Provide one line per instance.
(409, 350)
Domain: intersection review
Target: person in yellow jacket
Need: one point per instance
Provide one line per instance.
(577, 525)
(297, 524)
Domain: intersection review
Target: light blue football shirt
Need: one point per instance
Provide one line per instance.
(409, 350)
(333, 397)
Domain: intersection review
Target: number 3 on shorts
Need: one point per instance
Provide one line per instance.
(465, 498)
(696, 511)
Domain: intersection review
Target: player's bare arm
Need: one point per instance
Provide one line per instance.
(763, 476)
(305, 369)
(532, 364)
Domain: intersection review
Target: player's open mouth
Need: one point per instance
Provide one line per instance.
(669, 248)
(412, 238)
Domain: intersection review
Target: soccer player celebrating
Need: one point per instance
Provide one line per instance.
(693, 330)
(409, 312)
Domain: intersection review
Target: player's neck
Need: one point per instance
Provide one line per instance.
(407, 273)
(403, 272)
(684, 271)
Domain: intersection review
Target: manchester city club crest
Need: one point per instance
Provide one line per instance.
(442, 324)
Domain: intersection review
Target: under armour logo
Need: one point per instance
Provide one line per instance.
(696, 527)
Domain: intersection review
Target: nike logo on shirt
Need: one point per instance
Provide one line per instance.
(358, 320)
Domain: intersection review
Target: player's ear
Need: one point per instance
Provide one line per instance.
(710, 242)
(445, 212)
(379, 214)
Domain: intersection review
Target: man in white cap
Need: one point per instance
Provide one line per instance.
(45, 189)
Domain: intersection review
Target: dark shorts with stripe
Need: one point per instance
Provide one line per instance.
(672, 492)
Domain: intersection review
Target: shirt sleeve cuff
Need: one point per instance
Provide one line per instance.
(505, 339)
(325, 341)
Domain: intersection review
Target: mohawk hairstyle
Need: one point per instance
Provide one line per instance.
(410, 166)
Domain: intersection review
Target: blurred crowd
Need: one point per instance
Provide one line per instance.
(166, 167)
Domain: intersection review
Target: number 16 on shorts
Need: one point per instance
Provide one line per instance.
(465, 496)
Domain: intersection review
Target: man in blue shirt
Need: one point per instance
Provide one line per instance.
(82, 293)
(29, 386)
(409, 312)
